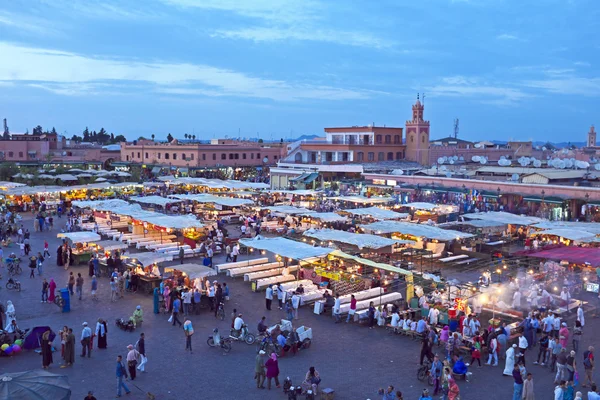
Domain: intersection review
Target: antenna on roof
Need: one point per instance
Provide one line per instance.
(423, 95)
(455, 128)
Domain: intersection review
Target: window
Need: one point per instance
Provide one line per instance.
(231, 156)
(380, 156)
(378, 139)
(214, 156)
(132, 154)
(422, 139)
(252, 156)
(158, 155)
(146, 155)
(244, 156)
(276, 157)
(236, 156)
(258, 156)
(398, 155)
(174, 156)
(126, 156)
(371, 156)
(166, 156)
(203, 157)
(360, 156)
(390, 156)
(412, 139)
(183, 156)
(10, 154)
(139, 156)
(388, 139)
(397, 139)
(192, 156)
(223, 156)
(20, 154)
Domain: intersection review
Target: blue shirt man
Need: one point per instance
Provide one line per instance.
(281, 340)
(421, 325)
(121, 373)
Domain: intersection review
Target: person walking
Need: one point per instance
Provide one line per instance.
(189, 331)
(86, 337)
(295, 304)
(94, 288)
(518, 385)
(371, 315)
(272, 366)
(269, 297)
(259, 370)
(543, 351)
(32, 266)
(141, 348)
(51, 289)
(69, 353)
(561, 362)
(559, 390)
(121, 373)
(45, 287)
(113, 289)
(588, 365)
(71, 283)
(493, 352)
(46, 348)
(576, 337)
(181, 254)
(132, 359)
(176, 308)
(46, 252)
(352, 310)
(40, 263)
(337, 309)
(436, 374)
(528, 388)
(79, 285)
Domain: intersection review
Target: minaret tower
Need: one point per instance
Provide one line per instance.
(591, 142)
(417, 135)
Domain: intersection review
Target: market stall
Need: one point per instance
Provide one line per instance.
(360, 241)
(145, 267)
(376, 213)
(82, 249)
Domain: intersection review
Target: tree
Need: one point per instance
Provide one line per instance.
(260, 140)
(7, 170)
(194, 137)
(38, 130)
(186, 136)
(76, 138)
(86, 135)
(103, 137)
(112, 137)
(142, 138)
(153, 137)
(120, 138)
(169, 138)
(94, 137)
(53, 131)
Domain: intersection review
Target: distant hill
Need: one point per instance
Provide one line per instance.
(558, 145)
(305, 137)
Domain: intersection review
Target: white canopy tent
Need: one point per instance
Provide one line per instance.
(213, 183)
(571, 234)
(591, 227)
(80, 237)
(149, 258)
(326, 216)
(209, 198)
(363, 200)
(193, 271)
(418, 230)
(421, 206)
(361, 241)
(66, 177)
(110, 245)
(156, 200)
(504, 217)
(376, 212)
(285, 247)
(288, 210)
(302, 192)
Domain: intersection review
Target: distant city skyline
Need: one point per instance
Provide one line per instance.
(281, 69)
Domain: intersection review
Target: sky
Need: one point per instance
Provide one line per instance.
(518, 69)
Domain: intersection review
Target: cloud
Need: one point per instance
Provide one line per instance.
(69, 73)
(19, 23)
(105, 9)
(272, 34)
(582, 64)
(459, 86)
(506, 36)
(569, 85)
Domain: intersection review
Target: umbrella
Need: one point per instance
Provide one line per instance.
(101, 180)
(32, 339)
(34, 385)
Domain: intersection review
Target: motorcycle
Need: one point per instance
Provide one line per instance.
(216, 341)
(424, 372)
(268, 345)
(13, 284)
(243, 336)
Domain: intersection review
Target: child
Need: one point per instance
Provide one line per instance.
(475, 355)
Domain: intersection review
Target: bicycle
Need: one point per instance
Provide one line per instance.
(13, 266)
(424, 372)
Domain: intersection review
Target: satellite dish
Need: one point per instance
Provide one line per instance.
(455, 158)
(441, 160)
(451, 161)
(502, 157)
(569, 163)
(64, 153)
(597, 167)
(461, 158)
(561, 164)
(445, 158)
(476, 159)
(448, 174)
(397, 172)
(477, 145)
(537, 163)
(483, 160)
(515, 177)
(266, 160)
(443, 168)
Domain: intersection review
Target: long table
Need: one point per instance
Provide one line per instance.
(237, 264)
(253, 268)
(265, 274)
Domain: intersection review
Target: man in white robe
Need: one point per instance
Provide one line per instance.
(510, 360)
(580, 316)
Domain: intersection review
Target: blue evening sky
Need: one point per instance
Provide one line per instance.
(518, 69)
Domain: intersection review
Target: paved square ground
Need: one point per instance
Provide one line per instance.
(353, 360)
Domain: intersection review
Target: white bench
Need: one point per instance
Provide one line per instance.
(172, 247)
(237, 264)
(159, 245)
(379, 300)
(361, 295)
(234, 272)
(263, 283)
(264, 274)
(453, 258)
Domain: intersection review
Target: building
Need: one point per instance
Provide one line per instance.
(51, 149)
(227, 153)
(591, 137)
(417, 136)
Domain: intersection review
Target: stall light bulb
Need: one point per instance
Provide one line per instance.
(585, 279)
(504, 267)
(499, 271)
(376, 270)
(555, 289)
(531, 271)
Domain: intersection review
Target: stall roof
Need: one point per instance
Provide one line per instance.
(572, 254)
(363, 200)
(148, 258)
(8, 185)
(209, 198)
(110, 245)
(419, 230)
(571, 234)
(361, 241)
(364, 261)
(66, 177)
(477, 223)
(193, 271)
(290, 210)
(326, 216)
(213, 183)
(80, 237)
(306, 192)
(156, 200)
(504, 217)
(421, 206)
(377, 213)
(591, 227)
(286, 247)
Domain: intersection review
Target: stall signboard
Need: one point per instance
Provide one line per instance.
(334, 276)
(116, 218)
(592, 287)
(218, 207)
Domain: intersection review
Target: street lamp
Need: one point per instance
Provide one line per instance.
(587, 213)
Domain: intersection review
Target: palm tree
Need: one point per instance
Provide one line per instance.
(194, 137)
(185, 136)
(153, 137)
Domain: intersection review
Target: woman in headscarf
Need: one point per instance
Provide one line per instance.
(63, 340)
(46, 350)
(453, 391)
(52, 287)
(155, 300)
(311, 381)
(101, 332)
(167, 298)
(272, 366)
(10, 314)
(59, 256)
(138, 317)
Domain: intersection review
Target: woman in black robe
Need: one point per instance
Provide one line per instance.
(102, 335)
(91, 267)
(46, 350)
(59, 256)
